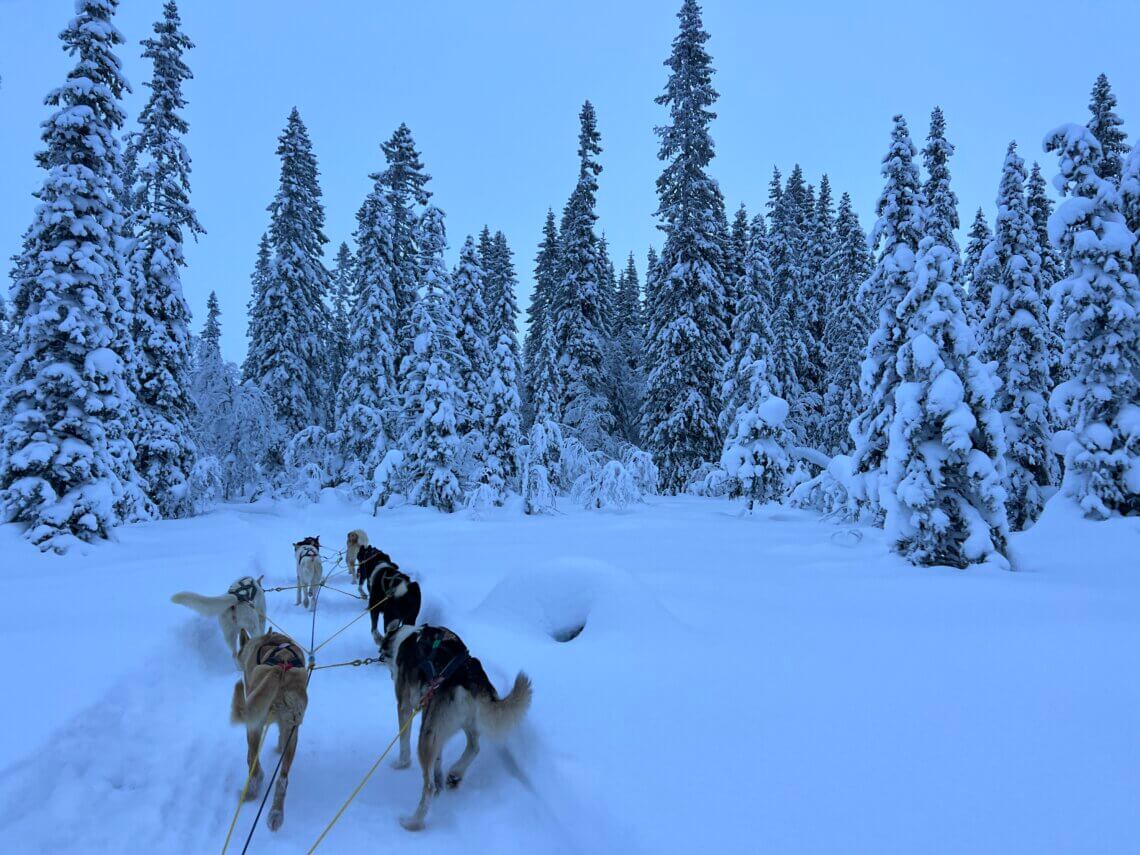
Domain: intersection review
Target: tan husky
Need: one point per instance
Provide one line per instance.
(274, 687)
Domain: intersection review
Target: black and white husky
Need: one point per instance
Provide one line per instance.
(241, 607)
(432, 669)
(309, 570)
(391, 594)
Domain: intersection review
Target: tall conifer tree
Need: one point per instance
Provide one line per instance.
(685, 351)
(68, 462)
(160, 329)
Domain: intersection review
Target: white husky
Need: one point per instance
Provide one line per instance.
(241, 607)
(309, 570)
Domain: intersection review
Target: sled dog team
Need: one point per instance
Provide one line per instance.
(430, 666)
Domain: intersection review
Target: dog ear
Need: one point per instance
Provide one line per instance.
(243, 639)
(260, 579)
(317, 541)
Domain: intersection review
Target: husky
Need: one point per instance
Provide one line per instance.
(433, 670)
(309, 571)
(391, 593)
(273, 687)
(356, 539)
(241, 608)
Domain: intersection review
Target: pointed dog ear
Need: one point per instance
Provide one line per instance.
(243, 639)
(260, 579)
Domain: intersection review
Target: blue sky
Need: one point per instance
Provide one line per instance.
(491, 91)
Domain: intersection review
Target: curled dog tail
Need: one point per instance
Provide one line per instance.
(501, 715)
(208, 606)
(253, 709)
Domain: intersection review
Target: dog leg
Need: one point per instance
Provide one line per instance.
(404, 711)
(298, 585)
(252, 761)
(277, 812)
(455, 773)
(428, 752)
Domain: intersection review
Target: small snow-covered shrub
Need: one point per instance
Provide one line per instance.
(641, 468)
(610, 486)
(206, 484)
(830, 491)
(710, 481)
(481, 498)
(310, 461)
(386, 479)
(577, 460)
(538, 495)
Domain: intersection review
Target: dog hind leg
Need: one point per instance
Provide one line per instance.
(456, 772)
(404, 710)
(428, 749)
(277, 812)
(253, 761)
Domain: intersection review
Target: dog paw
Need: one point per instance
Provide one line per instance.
(276, 817)
(454, 780)
(401, 763)
(412, 823)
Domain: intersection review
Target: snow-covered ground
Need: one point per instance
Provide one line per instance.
(774, 684)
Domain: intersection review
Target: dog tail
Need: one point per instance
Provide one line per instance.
(500, 715)
(208, 606)
(254, 707)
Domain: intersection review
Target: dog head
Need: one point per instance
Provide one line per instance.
(370, 558)
(307, 547)
(353, 538)
(395, 634)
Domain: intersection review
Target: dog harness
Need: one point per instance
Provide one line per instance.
(439, 656)
(283, 656)
(390, 576)
(245, 589)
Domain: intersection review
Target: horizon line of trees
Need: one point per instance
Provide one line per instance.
(944, 394)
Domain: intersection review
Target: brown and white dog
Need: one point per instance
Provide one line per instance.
(433, 670)
(242, 607)
(274, 687)
(356, 539)
(309, 570)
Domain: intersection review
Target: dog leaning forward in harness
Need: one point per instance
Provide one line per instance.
(392, 596)
(432, 668)
(273, 687)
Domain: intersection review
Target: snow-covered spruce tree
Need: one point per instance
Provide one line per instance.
(67, 462)
(752, 337)
(257, 327)
(977, 278)
(578, 313)
(292, 357)
(160, 327)
(1052, 269)
(1106, 127)
(788, 249)
(847, 328)
(941, 485)
(538, 315)
(428, 387)
(1099, 302)
(753, 455)
(1130, 200)
(342, 285)
(820, 287)
(473, 367)
(1016, 341)
(504, 308)
(941, 201)
(652, 273)
(740, 235)
(628, 349)
(896, 235)
(685, 351)
(406, 181)
(367, 402)
(502, 423)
